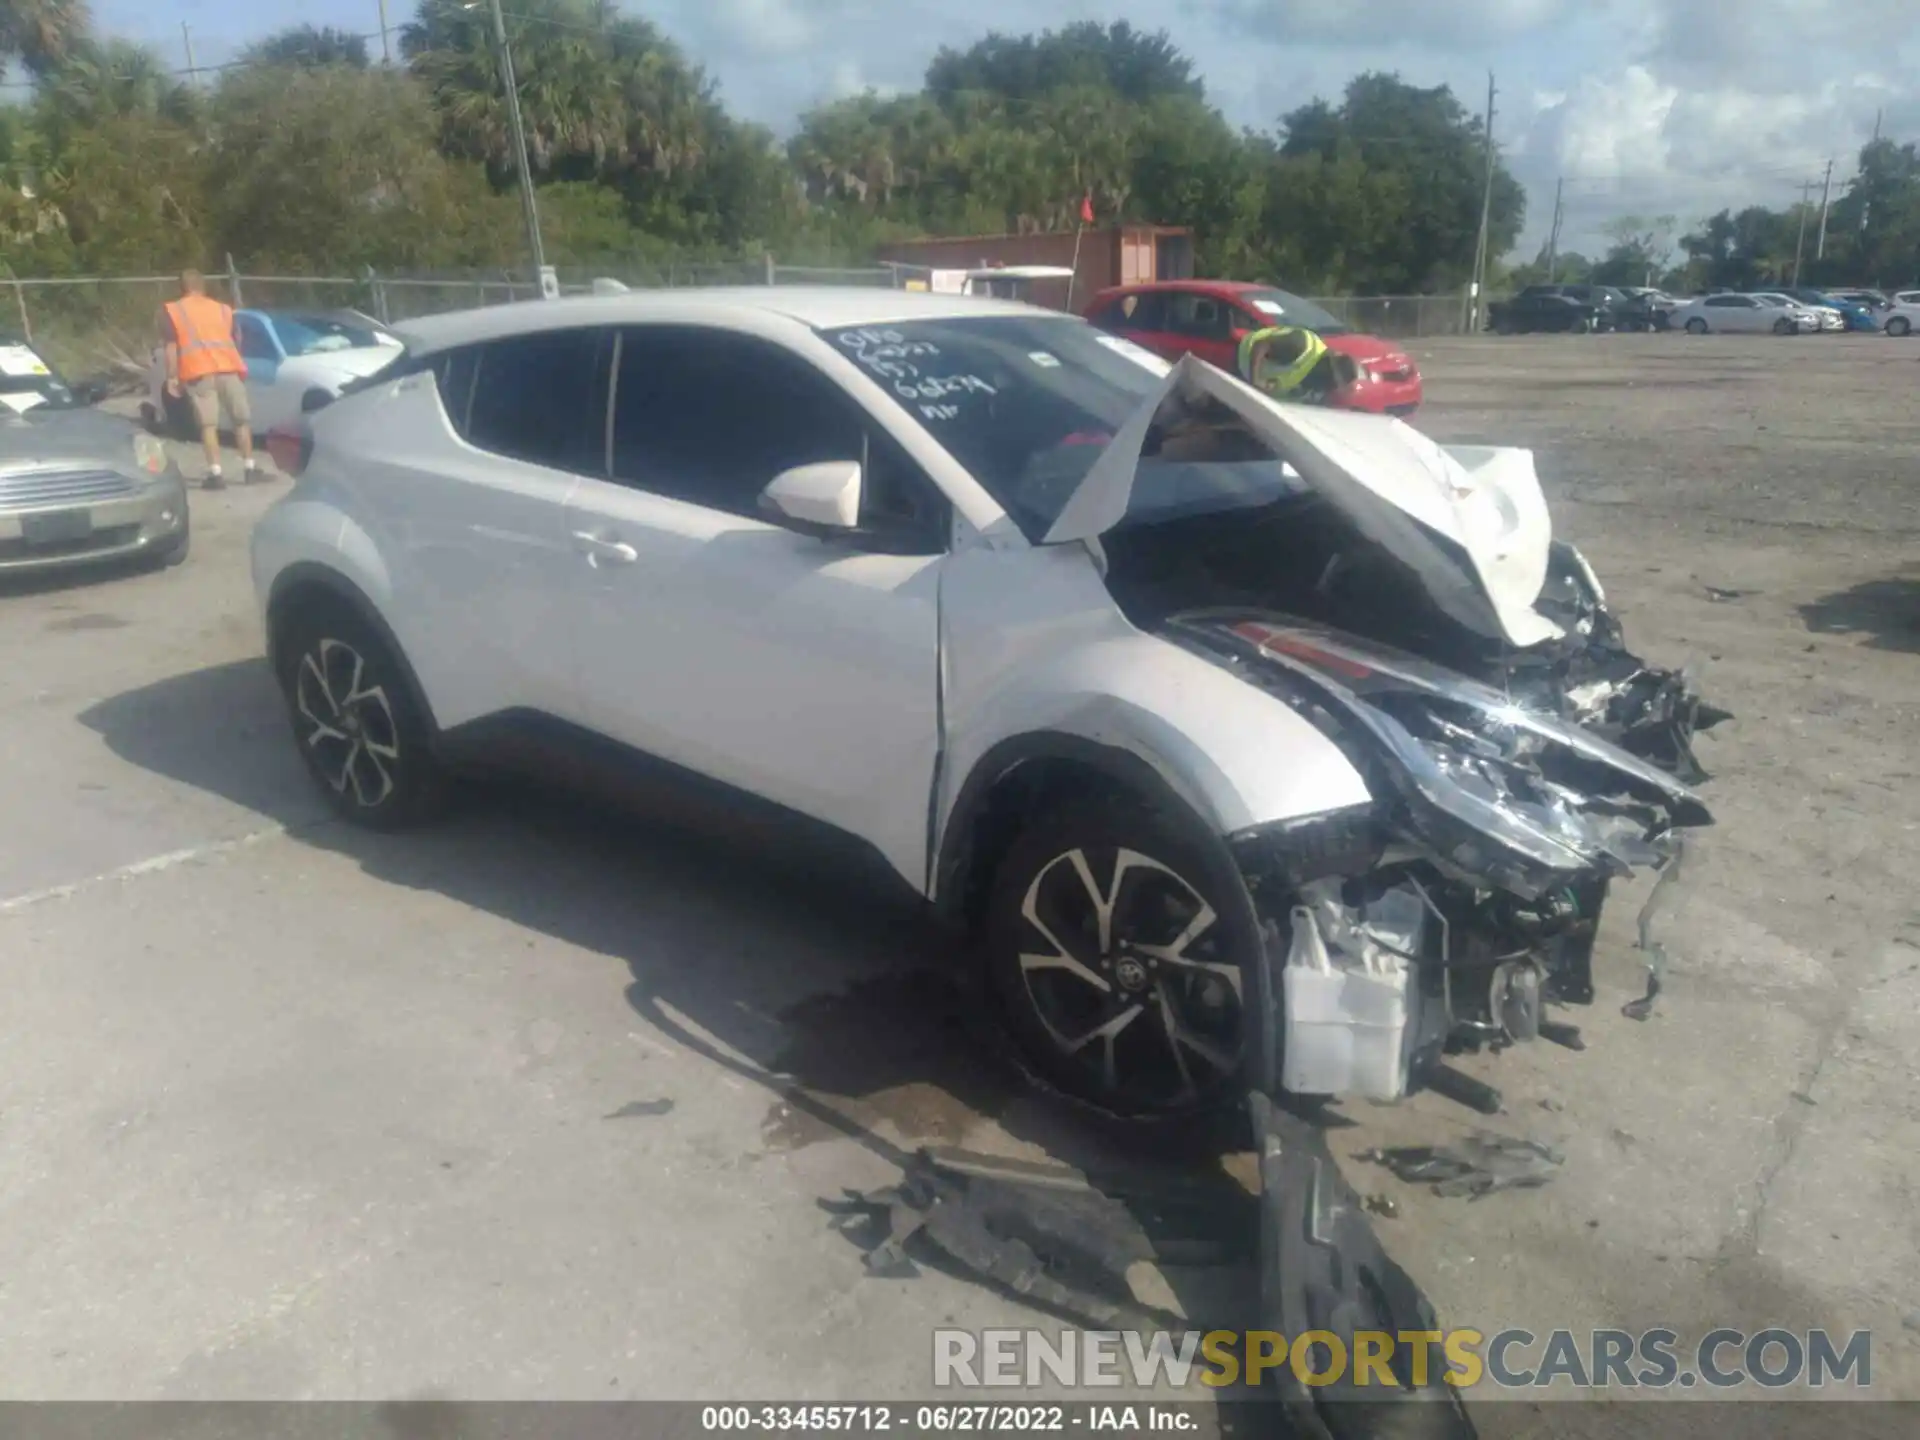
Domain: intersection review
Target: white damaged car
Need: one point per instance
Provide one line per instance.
(1230, 731)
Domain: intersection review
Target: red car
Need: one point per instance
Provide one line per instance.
(1208, 318)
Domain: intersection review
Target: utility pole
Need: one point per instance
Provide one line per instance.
(386, 46)
(193, 71)
(1486, 213)
(527, 206)
(1553, 237)
(1806, 199)
(1826, 199)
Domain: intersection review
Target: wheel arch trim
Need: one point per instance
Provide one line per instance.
(952, 875)
(305, 574)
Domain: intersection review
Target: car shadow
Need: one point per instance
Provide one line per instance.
(799, 970)
(1888, 611)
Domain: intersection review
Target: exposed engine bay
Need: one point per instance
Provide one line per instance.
(1512, 787)
(1302, 557)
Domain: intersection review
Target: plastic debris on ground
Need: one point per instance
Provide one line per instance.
(1478, 1165)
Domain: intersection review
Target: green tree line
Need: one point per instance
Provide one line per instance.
(1872, 237)
(308, 157)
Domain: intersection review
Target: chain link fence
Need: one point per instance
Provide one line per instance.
(107, 324)
(94, 324)
(1399, 317)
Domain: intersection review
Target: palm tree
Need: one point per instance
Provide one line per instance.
(308, 46)
(38, 33)
(100, 80)
(601, 94)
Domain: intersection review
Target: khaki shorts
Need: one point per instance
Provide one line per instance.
(212, 393)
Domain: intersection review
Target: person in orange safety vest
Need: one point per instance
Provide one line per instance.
(204, 365)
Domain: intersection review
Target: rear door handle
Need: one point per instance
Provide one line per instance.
(597, 548)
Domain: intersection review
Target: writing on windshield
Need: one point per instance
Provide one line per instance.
(936, 391)
(1027, 404)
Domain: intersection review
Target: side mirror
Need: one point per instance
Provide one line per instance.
(316, 398)
(819, 499)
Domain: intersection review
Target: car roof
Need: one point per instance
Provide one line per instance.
(760, 308)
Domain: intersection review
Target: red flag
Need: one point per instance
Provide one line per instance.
(1086, 208)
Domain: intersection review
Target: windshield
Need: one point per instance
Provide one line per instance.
(27, 380)
(1027, 404)
(1285, 309)
(313, 334)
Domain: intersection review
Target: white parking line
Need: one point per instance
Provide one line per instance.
(139, 867)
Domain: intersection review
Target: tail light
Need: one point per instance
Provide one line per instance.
(291, 446)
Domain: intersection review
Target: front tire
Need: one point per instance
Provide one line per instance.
(359, 731)
(1696, 326)
(1784, 327)
(1117, 957)
(1899, 325)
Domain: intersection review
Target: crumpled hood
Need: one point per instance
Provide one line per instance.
(1469, 521)
(49, 435)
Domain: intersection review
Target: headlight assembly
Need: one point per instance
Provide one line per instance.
(150, 454)
(1495, 793)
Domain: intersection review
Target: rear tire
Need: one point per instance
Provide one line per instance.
(1116, 961)
(1899, 325)
(359, 730)
(1696, 326)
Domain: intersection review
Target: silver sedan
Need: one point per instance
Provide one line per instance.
(79, 486)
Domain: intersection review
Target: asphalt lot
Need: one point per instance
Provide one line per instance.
(541, 1104)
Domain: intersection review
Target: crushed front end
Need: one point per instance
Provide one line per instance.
(1590, 677)
(1461, 903)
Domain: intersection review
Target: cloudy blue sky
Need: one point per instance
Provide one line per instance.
(1645, 106)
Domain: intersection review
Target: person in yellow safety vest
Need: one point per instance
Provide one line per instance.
(204, 364)
(1290, 363)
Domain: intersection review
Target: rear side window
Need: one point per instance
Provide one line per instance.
(540, 398)
(453, 372)
(1204, 317)
(1140, 311)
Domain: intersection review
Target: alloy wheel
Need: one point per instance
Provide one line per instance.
(1129, 978)
(346, 725)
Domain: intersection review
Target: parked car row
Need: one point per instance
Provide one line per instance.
(1896, 315)
(1584, 309)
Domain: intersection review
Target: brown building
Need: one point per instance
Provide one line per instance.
(1118, 255)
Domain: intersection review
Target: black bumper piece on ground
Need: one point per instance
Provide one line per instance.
(1322, 1267)
(1064, 1242)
